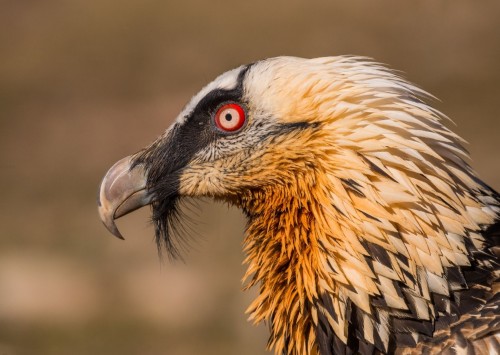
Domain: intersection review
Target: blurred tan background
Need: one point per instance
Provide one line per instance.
(86, 82)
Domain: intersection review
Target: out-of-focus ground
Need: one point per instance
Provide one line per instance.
(86, 82)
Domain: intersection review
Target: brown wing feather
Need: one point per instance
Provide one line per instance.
(477, 333)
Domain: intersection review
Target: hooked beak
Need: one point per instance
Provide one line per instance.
(123, 190)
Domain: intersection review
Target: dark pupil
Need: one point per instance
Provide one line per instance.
(228, 117)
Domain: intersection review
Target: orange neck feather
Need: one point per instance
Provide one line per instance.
(284, 256)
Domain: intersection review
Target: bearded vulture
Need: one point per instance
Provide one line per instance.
(368, 231)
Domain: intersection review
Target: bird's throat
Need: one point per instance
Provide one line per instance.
(286, 255)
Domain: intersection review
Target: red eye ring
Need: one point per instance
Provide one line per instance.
(230, 117)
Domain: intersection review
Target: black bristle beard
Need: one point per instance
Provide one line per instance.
(168, 219)
(163, 168)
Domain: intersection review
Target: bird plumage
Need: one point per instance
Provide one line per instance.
(368, 231)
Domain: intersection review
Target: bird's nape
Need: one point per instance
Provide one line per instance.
(367, 232)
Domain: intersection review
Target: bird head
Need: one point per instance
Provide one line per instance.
(247, 132)
(359, 200)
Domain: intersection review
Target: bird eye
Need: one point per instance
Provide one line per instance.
(230, 117)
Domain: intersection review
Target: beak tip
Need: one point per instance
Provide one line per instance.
(113, 229)
(118, 235)
(122, 191)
